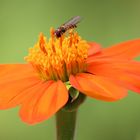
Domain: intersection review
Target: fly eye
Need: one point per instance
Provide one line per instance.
(63, 30)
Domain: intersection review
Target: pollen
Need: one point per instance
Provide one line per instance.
(58, 58)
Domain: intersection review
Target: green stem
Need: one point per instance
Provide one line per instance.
(65, 124)
(66, 117)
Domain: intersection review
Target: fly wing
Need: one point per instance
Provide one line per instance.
(73, 21)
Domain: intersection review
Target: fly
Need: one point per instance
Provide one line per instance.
(72, 23)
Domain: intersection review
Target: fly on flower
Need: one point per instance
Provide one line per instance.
(41, 87)
(72, 23)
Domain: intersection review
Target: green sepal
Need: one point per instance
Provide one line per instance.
(73, 93)
(71, 106)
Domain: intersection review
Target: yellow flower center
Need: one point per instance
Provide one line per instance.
(57, 58)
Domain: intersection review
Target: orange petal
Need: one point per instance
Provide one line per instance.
(94, 60)
(14, 79)
(126, 73)
(49, 98)
(97, 87)
(104, 65)
(12, 92)
(12, 73)
(126, 50)
(130, 81)
(16, 70)
(94, 48)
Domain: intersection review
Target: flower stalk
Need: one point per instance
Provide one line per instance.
(65, 124)
(66, 118)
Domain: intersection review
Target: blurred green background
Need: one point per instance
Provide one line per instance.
(104, 21)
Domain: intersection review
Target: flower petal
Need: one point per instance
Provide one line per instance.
(126, 50)
(16, 71)
(106, 64)
(14, 79)
(94, 48)
(127, 73)
(98, 87)
(12, 93)
(49, 98)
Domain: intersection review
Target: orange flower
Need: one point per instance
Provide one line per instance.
(41, 86)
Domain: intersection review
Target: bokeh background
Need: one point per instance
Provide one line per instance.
(104, 21)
